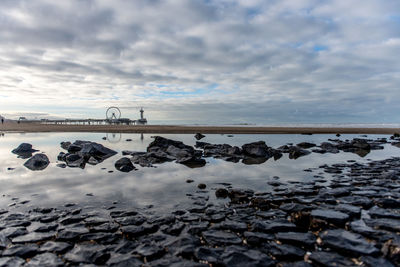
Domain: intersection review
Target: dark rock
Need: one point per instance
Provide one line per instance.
(373, 262)
(105, 227)
(71, 234)
(38, 162)
(297, 239)
(45, 260)
(199, 136)
(376, 212)
(330, 259)
(348, 243)
(100, 238)
(88, 253)
(384, 223)
(218, 238)
(11, 232)
(330, 216)
(24, 150)
(233, 226)
(72, 219)
(201, 186)
(65, 145)
(296, 152)
(136, 231)
(131, 220)
(256, 149)
(221, 193)
(124, 165)
(23, 251)
(150, 251)
(183, 246)
(210, 255)
(189, 181)
(305, 145)
(11, 261)
(56, 247)
(274, 226)
(236, 256)
(257, 238)
(360, 227)
(174, 229)
(33, 237)
(286, 252)
(123, 260)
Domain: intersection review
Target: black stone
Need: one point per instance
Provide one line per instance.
(88, 253)
(218, 238)
(23, 251)
(297, 239)
(57, 247)
(45, 260)
(330, 259)
(124, 165)
(38, 162)
(348, 243)
(330, 216)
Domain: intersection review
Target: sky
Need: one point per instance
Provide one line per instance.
(202, 62)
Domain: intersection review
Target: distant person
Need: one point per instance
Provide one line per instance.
(2, 120)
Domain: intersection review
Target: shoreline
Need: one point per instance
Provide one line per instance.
(178, 129)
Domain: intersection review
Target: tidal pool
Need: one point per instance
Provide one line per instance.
(163, 186)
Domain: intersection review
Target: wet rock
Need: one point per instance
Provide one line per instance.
(305, 145)
(201, 186)
(384, 223)
(11, 232)
(72, 219)
(45, 260)
(184, 246)
(24, 150)
(210, 255)
(373, 262)
(218, 238)
(124, 165)
(174, 229)
(330, 216)
(233, 226)
(11, 261)
(33, 237)
(23, 251)
(236, 256)
(65, 145)
(297, 239)
(136, 231)
(256, 149)
(257, 238)
(56, 247)
(131, 220)
(123, 260)
(199, 136)
(105, 227)
(221, 193)
(150, 251)
(71, 234)
(37, 163)
(348, 243)
(297, 152)
(376, 212)
(360, 227)
(197, 228)
(274, 226)
(75, 161)
(88, 253)
(100, 238)
(286, 252)
(330, 259)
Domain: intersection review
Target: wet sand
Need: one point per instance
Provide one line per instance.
(38, 127)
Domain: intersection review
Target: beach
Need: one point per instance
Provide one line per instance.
(166, 129)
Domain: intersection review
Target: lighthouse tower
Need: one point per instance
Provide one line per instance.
(142, 120)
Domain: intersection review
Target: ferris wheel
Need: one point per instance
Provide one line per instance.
(113, 114)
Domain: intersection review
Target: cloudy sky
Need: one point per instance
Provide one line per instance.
(203, 61)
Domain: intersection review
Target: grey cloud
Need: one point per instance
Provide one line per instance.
(259, 54)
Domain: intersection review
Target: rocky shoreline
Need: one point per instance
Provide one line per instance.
(352, 220)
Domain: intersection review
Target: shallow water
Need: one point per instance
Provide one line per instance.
(163, 186)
